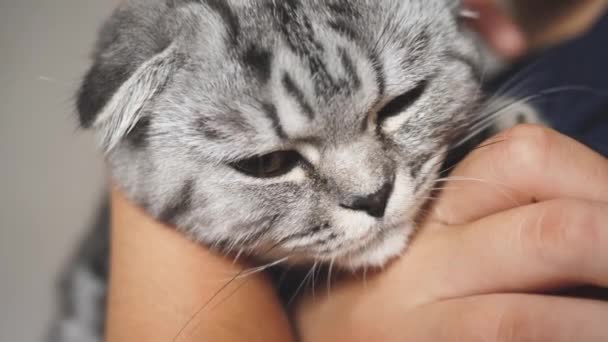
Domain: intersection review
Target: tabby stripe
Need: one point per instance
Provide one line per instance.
(202, 125)
(299, 35)
(260, 61)
(294, 91)
(350, 68)
(380, 76)
(468, 61)
(343, 8)
(417, 48)
(343, 28)
(228, 16)
(271, 112)
(182, 204)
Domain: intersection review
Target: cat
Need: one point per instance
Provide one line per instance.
(307, 131)
(310, 126)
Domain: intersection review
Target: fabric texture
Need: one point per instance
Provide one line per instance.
(571, 81)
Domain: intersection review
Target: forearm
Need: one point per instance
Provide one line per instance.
(161, 285)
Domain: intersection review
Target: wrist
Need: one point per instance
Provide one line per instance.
(161, 285)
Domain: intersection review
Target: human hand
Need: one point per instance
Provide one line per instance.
(164, 287)
(497, 28)
(524, 215)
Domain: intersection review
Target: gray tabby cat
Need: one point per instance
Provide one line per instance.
(296, 130)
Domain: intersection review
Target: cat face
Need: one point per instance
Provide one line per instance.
(306, 129)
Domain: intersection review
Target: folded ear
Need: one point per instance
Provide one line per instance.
(135, 56)
(123, 109)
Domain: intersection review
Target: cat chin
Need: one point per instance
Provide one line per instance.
(379, 252)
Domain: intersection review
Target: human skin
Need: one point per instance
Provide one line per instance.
(161, 283)
(560, 20)
(497, 29)
(523, 215)
(530, 224)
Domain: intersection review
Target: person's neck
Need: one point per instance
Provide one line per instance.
(548, 22)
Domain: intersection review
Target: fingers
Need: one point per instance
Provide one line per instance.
(506, 318)
(523, 165)
(542, 246)
(497, 28)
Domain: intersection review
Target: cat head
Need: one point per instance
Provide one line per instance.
(306, 129)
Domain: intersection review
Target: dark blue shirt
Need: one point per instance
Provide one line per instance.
(580, 69)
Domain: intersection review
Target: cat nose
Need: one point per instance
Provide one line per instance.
(374, 204)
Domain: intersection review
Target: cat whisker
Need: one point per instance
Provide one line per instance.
(330, 269)
(501, 187)
(302, 284)
(251, 272)
(259, 269)
(515, 82)
(542, 93)
(488, 117)
(281, 279)
(365, 277)
(237, 256)
(314, 266)
(492, 143)
(216, 294)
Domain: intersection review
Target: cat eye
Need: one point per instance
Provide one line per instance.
(270, 165)
(402, 102)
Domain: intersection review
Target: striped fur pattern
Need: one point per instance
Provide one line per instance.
(182, 90)
(367, 95)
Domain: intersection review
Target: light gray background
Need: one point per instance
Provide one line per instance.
(51, 177)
